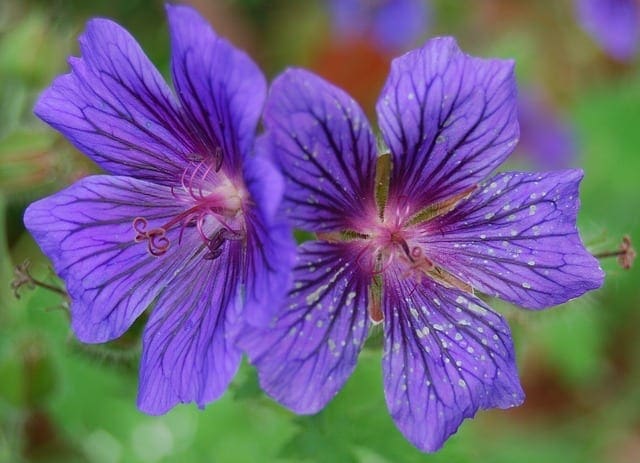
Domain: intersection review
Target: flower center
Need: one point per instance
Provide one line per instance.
(392, 241)
(392, 235)
(213, 206)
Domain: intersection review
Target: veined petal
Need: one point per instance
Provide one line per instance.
(221, 88)
(87, 232)
(264, 181)
(613, 24)
(323, 143)
(311, 348)
(516, 239)
(188, 346)
(270, 255)
(447, 355)
(115, 107)
(270, 246)
(449, 120)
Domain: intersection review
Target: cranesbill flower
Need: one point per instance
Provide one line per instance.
(391, 24)
(545, 139)
(407, 238)
(184, 224)
(613, 24)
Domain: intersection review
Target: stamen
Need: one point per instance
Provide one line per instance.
(195, 157)
(626, 254)
(441, 207)
(215, 244)
(407, 251)
(420, 264)
(23, 277)
(191, 181)
(341, 236)
(212, 204)
(157, 242)
(375, 300)
(217, 158)
(372, 262)
(442, 276)
(383, 176)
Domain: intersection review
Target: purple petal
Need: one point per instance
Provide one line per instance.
(447, 354)
(399, 23)
(188, 346)
(270, 246)
(544, 137)
(264, 181)
(221, 88)
(310, 350)
(516, 238)
(613, 24)
(323, 143)
(449, 120)
(394, 24)
(349, 18)
(115, 107)
(86, 230)
(270, 254)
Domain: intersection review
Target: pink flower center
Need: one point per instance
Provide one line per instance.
(214, 207)
(390, 240)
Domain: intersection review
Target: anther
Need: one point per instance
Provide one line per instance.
(195, 157)
(215, 243)
(416, 252)
(217, 158)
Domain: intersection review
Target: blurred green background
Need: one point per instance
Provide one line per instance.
(61, 401)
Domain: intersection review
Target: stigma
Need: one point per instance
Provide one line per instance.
(213, 210)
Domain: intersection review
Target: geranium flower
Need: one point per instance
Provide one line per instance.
(391, 24)
(406, 239)
(185, 222)
(546, 140)
(613, 24)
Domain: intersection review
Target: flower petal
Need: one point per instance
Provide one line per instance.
(264, 180)
(188, 346)
(86, 230)
(447, 355)
(613, 24)
(270, 246)
(310, 350)
(221, 88)
(115, 107)
(546, 139)
(393, 25)
(323, 143)
(270, 255)
(449, 120)
(399, 24)
(516, 238)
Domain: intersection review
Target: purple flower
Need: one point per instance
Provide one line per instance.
(184, 224)
(546, 140)
(614, 24)
(407, 238)
(392, 24)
